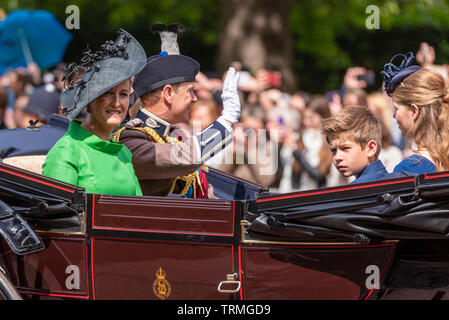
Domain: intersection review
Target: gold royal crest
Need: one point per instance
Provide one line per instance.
(161, 287)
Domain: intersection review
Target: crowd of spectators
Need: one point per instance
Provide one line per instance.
(27, 94)
(277, 142)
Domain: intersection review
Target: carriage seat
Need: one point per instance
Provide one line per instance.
(31, 163)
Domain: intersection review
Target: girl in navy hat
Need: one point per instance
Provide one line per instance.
(421, 108)
(86, 155)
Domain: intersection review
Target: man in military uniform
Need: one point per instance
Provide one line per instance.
(166, 158)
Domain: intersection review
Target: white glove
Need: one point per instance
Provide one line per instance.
(230, 97)
(133, 123)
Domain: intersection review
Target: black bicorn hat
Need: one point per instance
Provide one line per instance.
(169, 66)
(393, 75)
(100, 71)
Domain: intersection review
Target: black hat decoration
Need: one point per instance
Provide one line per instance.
(169, 66)
(393, 75)
(169, 36)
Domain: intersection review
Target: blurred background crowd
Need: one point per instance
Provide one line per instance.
(299, 62)
(277, 142)
(280, 131)
(28, 95)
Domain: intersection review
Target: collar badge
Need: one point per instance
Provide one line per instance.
(151, 123)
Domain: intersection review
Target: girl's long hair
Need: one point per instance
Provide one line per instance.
(427, 89)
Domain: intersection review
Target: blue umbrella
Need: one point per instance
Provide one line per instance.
(32, 35)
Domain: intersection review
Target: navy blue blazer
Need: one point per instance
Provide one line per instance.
(416, 164)
(376, 171)
(32, 141)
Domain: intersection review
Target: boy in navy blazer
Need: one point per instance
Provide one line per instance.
(354, 136)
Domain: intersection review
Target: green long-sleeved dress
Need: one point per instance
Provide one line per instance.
(83, 159)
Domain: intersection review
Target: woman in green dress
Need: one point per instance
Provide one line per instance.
(86, 155)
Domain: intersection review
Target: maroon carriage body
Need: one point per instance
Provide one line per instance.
(124, 247)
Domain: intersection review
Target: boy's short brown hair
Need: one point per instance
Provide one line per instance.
(353, 123)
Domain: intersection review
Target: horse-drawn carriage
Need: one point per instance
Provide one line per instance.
(382, 240)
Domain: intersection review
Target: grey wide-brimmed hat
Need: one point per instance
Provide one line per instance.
(100, 71)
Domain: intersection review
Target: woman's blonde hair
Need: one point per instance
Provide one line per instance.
(429, 92)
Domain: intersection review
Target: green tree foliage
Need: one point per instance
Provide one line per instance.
(331, 35)
(328, 35)
(100, 19)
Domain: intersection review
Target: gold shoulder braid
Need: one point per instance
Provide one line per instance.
(189, 179)
(117, 134)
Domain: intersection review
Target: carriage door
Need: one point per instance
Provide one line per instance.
(163, 248)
